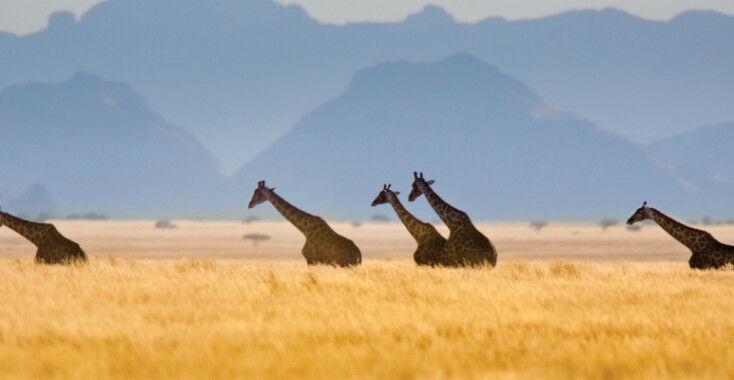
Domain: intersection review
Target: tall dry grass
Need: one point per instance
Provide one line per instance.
(123, 318)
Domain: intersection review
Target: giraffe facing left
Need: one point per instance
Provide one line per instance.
(53, 248)
(323, 244)
(431, 245)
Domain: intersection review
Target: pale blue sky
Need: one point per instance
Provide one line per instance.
(26, 16)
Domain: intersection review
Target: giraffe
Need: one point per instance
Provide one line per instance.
(707, 251)
(53, 248)
(323, 245)
(466, 245)
(431, 244)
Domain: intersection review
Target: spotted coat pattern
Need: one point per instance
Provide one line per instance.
(431, 245)
(466, 246)
(707, 252)
(323, 244)
(53, 248)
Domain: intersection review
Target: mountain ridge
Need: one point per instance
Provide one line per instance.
(272, 64)
(530, 160)
(97, 147)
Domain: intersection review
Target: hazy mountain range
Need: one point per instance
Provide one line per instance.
(494, 147)
(129, 112)
(239, 74)
(34, 203)
(97, 147)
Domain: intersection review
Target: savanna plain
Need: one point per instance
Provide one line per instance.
(201, 301)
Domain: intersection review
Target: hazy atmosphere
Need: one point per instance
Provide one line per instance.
(366, 189)
(555, 111)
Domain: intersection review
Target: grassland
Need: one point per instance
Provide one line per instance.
(569, 301)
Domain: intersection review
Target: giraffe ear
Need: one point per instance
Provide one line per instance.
(272, 189)
(396, 193)
(431, 182)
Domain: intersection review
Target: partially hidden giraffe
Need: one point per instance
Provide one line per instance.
(431, 244)
(53, 248)
(323, 244)
(707, 251)
(466, 246)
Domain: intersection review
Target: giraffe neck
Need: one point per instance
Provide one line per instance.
(450, 216)
(302, 220)
(414, 225)
(687, 236)
(25, 228)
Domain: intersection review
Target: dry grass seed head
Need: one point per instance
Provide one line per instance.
(564, 269)
(189, 264)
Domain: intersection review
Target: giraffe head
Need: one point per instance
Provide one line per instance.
(260, 194)
(418, 181)
(385, 195)
(641, 214)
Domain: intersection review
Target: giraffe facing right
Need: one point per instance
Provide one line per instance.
(707, 251)
(466, 246)
(431, 244)
(323, 245)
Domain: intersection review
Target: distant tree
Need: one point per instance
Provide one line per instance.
(250, 218)
(356, 224)
(379, 218)
(256, 238)
(73, 217)
(164, 223)
(606, 223)
(94, 216)
(42, 217)
(538, 224)
(707, 221)
(634, 228)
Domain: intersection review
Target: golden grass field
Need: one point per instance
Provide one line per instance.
(199, 301)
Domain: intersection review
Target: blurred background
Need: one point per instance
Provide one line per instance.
(560, 110)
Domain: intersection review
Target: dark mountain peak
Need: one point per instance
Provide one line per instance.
(488, 139)
(35, 203)
(100, 136)
(716, 133)
(695, 17)
(461, 75)
(228, 15)
(94, 83)
(297, 11)
(81, 81)
(464, 61)
(710, 167)
(61, 20)
(597, 18)
(430, 15)
(82, 91)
